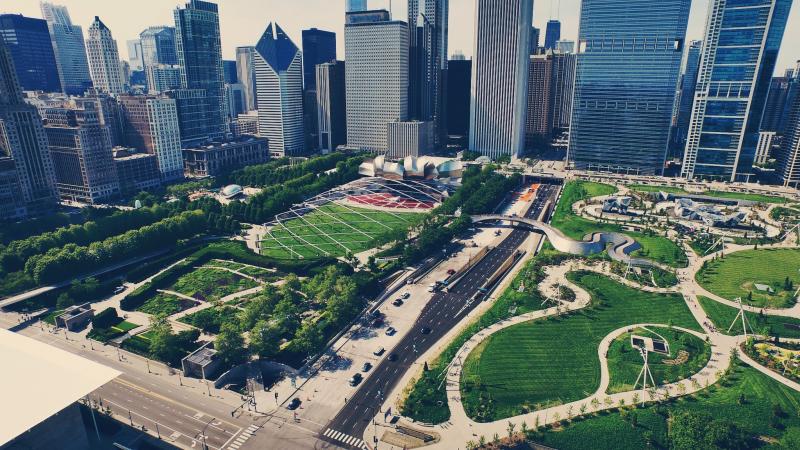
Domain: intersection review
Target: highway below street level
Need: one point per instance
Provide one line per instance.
(443, 312)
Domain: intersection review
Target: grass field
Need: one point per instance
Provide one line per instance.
(657, 248)
(164, 304)
(754, 416)
(711, 193)
(334, 230)
(625, 362)
(555, 361)
(649, 188)
(722, 316)
(211, 284)
(735, 276)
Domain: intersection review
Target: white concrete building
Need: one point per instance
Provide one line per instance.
(409, 139)
(246, 73)
(279, 86)
(376, 51)
(163, 115)
(104, 62)
(765, 139)
(500, 76)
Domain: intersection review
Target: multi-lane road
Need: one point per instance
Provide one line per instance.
(440, 315)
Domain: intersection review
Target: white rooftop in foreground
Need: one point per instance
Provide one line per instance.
(38, 380)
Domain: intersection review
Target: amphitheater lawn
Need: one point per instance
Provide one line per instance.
(737, 273)
(625, 362)
(760, 198)
(722, 317)
(555, 361)
(334, 229)
(721, 402)
(657, 248)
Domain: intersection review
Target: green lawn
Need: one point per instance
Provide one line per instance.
(745, 196)
(649, 188)
(753, 416)
(735, 275)
(657, 248)
(164, 304)
(51, 317)
(211, 284)
(555, 361)
(125, 326)
(336, 230)
(625, 362)
(722, 316)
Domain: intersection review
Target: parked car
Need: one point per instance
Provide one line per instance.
(366, 367)
(405, 296)
(119, 290)
(380, 351)
(391, 331)
(294, 404)
(355, 379)
(398, 302)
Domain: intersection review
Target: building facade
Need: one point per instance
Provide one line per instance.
(319, 46)
(500, 77)
(563, 85)
(135, 56)
(136, 171)
(151, 125)
(779, 99)
(410, 139)
(789, 154)
(162, 77)
(217, 157)
(683, 112)
(28, 40)
(376, 50)
(69, 48)
(539, 119)
(459, 79)
(356, 5)
(246, 74)
(552, 34)
(158, 46)
(104, 64)
(736, 68)
(625, 82)
(279, 85)
(331, 105)
(11, 205)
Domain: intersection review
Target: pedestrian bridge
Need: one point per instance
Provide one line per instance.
(618, 245)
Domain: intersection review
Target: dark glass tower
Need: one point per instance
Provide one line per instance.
(459, 79)
(28, 39)
(552, 34)
(686, 97)
(319, 46)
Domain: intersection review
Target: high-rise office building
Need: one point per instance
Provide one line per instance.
(412, 138)
(789, 154)
(104, 63)
(500, 77)
(686, 96)
(331, 105)
(736, 68)
(627, 73)
(319, 46)
(135, 55)
(69, 48)
(229, 73)
(539, 118)
(162, 77)
(22, 137)
(199, 51)
(28, 40)
(81, 149)
(552, 34)
(376, 51)
(356, 5)
(459, 80)
(534, 40)
(158, 46)
(11, 205)
(776, 109)
(246, 74)
(428, 40)
(235, 95)
(151, 125)
(279, 87)
(563, 84)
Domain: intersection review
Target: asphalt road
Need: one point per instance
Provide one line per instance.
(440, 315)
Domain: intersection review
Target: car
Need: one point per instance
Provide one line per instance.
(498, 233)
(380, 351)
(391, 331)
(451, 272)
(355, 379)
(294, 404)
(393, 357)
(119, 290)
(366, 367)
(425, 330)
(398, 302)
(405, 296)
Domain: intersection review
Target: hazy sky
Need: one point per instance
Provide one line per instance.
(243, 21)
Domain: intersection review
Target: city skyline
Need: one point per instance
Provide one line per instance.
(240, 27)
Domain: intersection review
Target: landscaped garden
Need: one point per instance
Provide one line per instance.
(687, 356)
(723, 316)
(775, 271)
(758, 198)
(107, 325)
(746, 410)
(553, 361)
(208, 284)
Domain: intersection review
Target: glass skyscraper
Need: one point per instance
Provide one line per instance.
(28, 40)
(739, 52)
(629, 62)
(552, 34)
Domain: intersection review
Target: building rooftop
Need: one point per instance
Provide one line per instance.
(55, 378)
(202, 357)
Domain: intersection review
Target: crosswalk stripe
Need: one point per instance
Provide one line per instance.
(328, 432)
(349, 440)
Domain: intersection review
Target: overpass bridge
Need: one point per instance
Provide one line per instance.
(618, 245)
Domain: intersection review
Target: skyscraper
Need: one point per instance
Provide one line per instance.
(539, 117)
(28, 40)
(428, 37)
(229, 72)
(552, 34)
(135, 56)
(627, 73)
(246, 73)
(736, 67)
(459, 79)
(789, 154)
(22, 137)
(356, 5)
(158, 46)
(563, 84)
(500, 76)
(69, 48)
(319, 46)
(104, 62)
(376, 50)
(534, 40)
(331, 105)
(198, 47)
(279, 87)
(151, 125)
(686, 95)
(777, 106)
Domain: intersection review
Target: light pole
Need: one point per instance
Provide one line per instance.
(203, 371)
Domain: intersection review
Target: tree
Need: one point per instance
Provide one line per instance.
(791, 438)
(510, 429)
(595, 404)
(687, 429)
(264, 340)
(64, 301)
(230, 345)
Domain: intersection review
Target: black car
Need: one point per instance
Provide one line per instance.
(397, 302)
(355, 379)
(294, 404)
(366, 367)
(425, 330)
(392, 357)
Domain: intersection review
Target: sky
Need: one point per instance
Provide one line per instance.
(243, 21)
